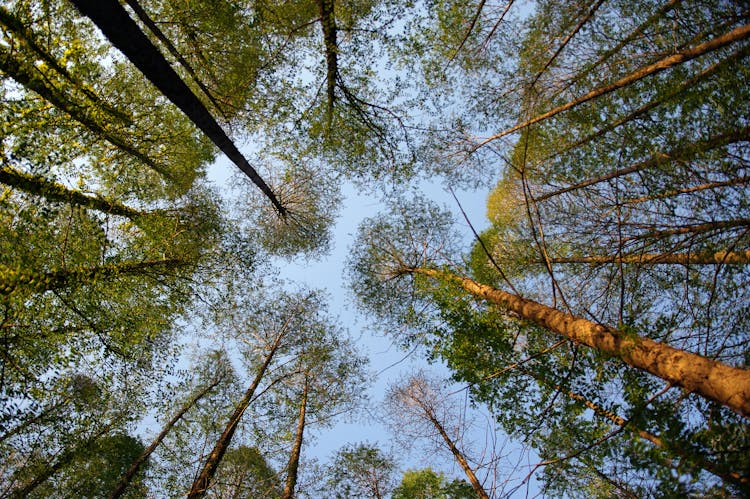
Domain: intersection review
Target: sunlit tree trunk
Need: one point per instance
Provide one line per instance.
(14, 279)
(713, 380)
(53, 191)
(293, 466)
(128, 476)
(706, 258)
(203, 481)
(685, 151)
(737, 34)
(457, 454)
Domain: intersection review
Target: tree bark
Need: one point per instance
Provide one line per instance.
(13, 279)
(330, 44)
(293, 466)
(681, 451)
(737, 34)
(154, 29)
(128, 476)
(457, 454)
(53, 191)
(727, 385)
(201, 484)
(125, 34)
(705, 258)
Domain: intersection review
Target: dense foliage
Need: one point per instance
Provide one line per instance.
(146, 344)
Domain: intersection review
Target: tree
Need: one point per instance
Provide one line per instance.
(360, 470)
(122, 31)
(416, 407)
(277, 328)
(301, 367)
(426, 483)
(328, 380)
(142, 459)
(244, 472)
(469, 325)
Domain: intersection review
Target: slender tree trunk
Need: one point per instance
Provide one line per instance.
(125, 34)
(27, 38)
(687, 190)
(671, 94)
(13, 279)
(128, 476)
(457, 454)
(713, 380)
(683, 152)
(201, 484)
(40, 186)
(293, 466)
(691, 229)
(589, 15)
(681, 451)
(65, 458)
(706, 258)
(737, 34)
(154, 29)
(85, 114)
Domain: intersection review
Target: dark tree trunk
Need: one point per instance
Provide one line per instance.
(201, 484)
(125, 34)
(128, 476)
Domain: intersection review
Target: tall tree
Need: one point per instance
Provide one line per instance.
(362, 471)
(416, 242)
(139, 462)
(122, 31)
(417, 407)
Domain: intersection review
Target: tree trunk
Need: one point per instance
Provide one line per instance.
(293, 466)
(713, 380)
(687, 190)
(653, 104)
(201, 484)
(40, 186)
(128, 476)
(737, 34)
(683, 152)
(330, 44)
(706, 258)
(12, 279)
(682, 451)
(125, 34)
(154, 29)
(691, 229)
(83, 113)
(460, 458)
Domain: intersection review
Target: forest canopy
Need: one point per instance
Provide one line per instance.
(599, 317)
